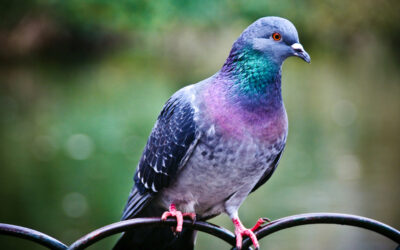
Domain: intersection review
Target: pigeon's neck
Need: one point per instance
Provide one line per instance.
(254, 79)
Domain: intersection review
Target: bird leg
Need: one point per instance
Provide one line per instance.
(179, 217)
(241, 231)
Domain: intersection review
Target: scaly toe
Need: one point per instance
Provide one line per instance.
(165, 215)
(260, 223)
(179, 220)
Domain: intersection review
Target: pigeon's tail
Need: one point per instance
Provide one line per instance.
(152, 237)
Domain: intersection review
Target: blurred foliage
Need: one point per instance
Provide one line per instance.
(329, 24)
(81, 84)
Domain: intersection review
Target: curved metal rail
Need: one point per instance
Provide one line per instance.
(32, 235)
(221, 233)
(122, 226)
(326, 218)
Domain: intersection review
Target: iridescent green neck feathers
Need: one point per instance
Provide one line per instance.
(255, 76)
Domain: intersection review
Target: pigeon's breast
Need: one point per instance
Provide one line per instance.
(265, 123)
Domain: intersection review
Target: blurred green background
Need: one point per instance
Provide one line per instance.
(82, 83)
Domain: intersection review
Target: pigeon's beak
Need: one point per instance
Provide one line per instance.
(299, 51)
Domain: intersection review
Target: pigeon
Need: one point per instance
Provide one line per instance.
(215, 142)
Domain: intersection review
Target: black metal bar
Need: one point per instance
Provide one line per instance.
(325, 218)
(122, 226)
(32, 235)
(222, 233)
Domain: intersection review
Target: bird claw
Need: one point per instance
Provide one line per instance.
(266, 219)
(179, 217)
(260, 223)
(241, 231)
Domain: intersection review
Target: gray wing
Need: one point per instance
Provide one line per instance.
(268, 173)
(168, 148)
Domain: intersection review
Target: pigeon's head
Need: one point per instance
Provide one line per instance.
(273, 37)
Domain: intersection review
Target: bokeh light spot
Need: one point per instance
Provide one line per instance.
(79, 146)
(344, 113)
(74, 205)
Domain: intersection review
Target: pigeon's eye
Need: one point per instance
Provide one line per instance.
(276, 36)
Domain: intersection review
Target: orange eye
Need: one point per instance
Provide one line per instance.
(276, 36)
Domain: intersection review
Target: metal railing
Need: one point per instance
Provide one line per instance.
(217, 231)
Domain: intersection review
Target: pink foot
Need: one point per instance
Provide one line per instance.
(241, 231)
(179, 217)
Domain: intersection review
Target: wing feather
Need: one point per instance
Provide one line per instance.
(168, 148)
